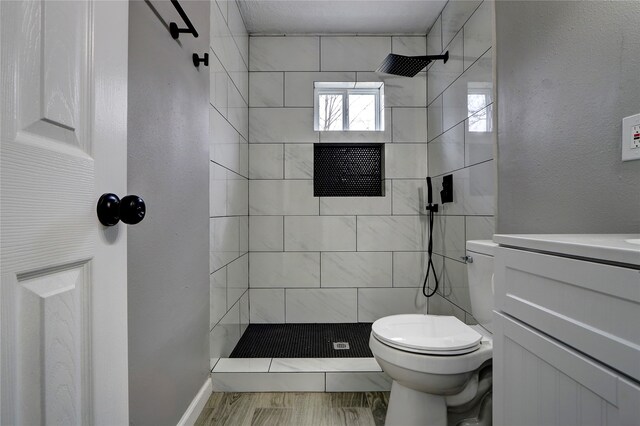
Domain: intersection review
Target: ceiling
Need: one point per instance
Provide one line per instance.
(340, 17)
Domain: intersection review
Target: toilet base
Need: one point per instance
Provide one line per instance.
(408, 407)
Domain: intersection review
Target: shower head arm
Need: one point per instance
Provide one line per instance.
(444, 57)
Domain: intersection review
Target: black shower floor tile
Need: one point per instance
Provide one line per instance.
(304, 341)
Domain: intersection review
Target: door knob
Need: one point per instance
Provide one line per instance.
(111, 209)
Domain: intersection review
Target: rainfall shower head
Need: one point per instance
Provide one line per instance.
(408, 66)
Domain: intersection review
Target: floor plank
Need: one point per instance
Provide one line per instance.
(295, 409)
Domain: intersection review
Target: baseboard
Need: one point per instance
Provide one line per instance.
(195, 408)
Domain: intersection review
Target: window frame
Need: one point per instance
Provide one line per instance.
(345, 89)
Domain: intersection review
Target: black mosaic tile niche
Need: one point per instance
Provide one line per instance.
(348, 170)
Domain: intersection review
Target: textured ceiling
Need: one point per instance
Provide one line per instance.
(340, 17)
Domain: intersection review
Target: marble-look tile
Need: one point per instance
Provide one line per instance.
(225, 335)
(478, 188)
(364, 136)
(266, 89)
(457, 284)
(478, 33)
(409, 268)
(480, 227)
(226, 146)
(242, 365)
(478, 144)
(266, 161)
(409, 45)
(434, 38)
(238, 113)
(409, 196)
(244, 312)
(477, 80)
(217, 190)
(310, 365)
(267, 306)
(454, 16)
(405, 160)
(223, 7)
(449, 236)
(434, 119)
(217, 296)
(266, 233)
(358, 382)
(409, 125)
(268, 382)
(218, 82)
(358, 205)
(281, 125)
(400, 91)
(284, 53)
(237, 278)
(237, 195)
(298, 161)
(320, 233)
(392, 233)
(375, 303)
(442, 74)
(332, 305)
(298, 86)
(278, 270)
(282, 197)
(446, 152)
(221, 41)
(238, 30)
(227, 240)
(438, 305)
(356, 269)
(353, 53)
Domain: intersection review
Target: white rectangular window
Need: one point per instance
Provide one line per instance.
(346, 106)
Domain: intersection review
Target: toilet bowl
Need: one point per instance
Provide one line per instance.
(434, 361)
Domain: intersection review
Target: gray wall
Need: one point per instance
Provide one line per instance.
(168, 167)
(567, 73)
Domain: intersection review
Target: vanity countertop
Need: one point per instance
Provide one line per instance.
(614, 248)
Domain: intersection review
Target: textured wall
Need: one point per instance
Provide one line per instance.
(167, 261)
(332, 259)
(229, 173)
(568, 72)
(461, 139)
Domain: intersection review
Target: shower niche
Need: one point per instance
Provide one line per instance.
(348, 170)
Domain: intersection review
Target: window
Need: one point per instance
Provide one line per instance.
(478, 98)
(343, 106)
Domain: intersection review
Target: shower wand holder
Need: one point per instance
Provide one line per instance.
(432, 208)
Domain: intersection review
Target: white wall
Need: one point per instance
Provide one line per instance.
(464, 29)
(568, 72)
(229, 173)
(332, 259)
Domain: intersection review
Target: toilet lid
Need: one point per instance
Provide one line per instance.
(434, 334)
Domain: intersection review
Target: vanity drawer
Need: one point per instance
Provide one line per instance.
(592, 307)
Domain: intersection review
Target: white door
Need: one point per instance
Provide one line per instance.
(63, 322)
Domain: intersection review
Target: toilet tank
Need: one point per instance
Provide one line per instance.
(480, 275)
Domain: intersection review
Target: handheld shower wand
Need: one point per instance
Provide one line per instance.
(432, 209)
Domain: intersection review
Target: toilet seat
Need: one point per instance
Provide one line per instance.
(427, 334)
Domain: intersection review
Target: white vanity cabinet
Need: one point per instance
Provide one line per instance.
(567, 330)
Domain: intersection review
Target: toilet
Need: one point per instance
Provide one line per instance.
(439, 364)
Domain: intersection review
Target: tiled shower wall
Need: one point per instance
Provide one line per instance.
(464, 29)
(229, 177)
(332, 259)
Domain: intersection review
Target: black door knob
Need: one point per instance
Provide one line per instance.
(111, 209)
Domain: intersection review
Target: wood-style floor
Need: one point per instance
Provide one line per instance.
(295, 409)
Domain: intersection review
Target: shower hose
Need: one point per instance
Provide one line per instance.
(430, 266)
